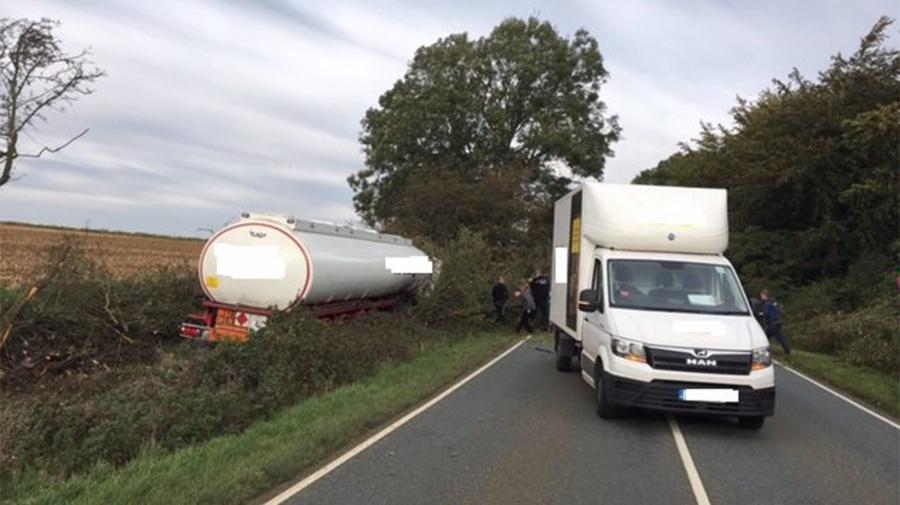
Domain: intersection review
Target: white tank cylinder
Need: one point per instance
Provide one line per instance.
(269, 261)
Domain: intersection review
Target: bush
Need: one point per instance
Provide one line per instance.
(866, 337)
(84, 320)
(811, 300)
(868, 278)
(461, 290)
(194, 393)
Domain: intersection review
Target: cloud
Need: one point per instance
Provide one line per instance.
(211, 108)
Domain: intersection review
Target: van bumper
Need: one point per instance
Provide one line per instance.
(662, 395)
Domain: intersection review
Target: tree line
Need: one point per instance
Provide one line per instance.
(811, 166)
(485, 134)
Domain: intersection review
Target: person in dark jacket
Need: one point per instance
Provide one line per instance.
(540, 290)
(758, 310)
(500, 295)
(528, 308)
(772, 313)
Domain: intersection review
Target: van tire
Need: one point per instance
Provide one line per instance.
(751, 423)
(605, 409)
(563, 349)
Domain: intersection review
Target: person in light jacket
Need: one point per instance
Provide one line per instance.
(528, 308)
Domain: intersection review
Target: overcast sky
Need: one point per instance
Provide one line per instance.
(211, 108)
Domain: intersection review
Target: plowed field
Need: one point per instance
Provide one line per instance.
(24, 250)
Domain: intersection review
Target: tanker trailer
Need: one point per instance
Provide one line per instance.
(262, 263)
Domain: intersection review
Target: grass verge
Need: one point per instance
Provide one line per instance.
(875, 388)
(237, 468)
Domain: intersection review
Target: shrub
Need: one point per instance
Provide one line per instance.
(461, 291)
(868, 278)
(866, 337)
(194, 392)
(811, 300)
(84, 320)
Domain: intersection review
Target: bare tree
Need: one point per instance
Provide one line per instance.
(37, 77)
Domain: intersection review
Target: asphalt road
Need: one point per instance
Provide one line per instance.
(523, 433)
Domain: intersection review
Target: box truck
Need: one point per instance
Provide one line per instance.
(644, 301)
(262, 263)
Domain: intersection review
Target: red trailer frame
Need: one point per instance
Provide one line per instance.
(225, 322)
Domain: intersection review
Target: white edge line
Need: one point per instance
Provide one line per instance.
(340, 460)
(839, 395)
(688, 462)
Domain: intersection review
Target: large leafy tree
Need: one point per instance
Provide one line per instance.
(471, 121)
(811, 167)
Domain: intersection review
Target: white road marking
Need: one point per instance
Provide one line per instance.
(688, 462)
(842, 397)
(340, 460)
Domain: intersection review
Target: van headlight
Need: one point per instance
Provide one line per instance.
(762, 358)
(632, 351)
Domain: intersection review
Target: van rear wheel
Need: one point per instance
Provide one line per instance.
(751, 423)
(563, 350)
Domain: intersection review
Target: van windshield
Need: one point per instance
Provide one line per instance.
(675, 286)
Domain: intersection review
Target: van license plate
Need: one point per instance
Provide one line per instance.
(709, 395)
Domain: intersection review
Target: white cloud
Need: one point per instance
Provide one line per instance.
(212, 107)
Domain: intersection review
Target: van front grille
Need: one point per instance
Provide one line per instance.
(686, 361)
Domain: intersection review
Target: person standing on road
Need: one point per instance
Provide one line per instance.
(540, 290)
(500, 295)
(772, 311)
(528, 308)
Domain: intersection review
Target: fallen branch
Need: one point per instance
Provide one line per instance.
(116, 323)
(11, 315)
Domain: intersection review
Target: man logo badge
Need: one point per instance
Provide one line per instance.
(700, 362)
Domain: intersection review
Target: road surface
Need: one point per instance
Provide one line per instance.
(521, 433)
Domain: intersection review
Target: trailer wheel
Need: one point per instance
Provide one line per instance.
(605, 409)
(751, 423)
(564, 349)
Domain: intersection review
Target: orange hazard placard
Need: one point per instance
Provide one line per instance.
(224, 317)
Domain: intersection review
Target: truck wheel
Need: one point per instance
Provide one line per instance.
(563, 351)
(751, 423)
(605, 409)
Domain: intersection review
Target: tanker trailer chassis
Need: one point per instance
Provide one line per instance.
(232, 323)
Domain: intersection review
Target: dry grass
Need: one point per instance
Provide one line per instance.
(23, 251)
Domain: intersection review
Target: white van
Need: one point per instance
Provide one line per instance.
(642, 296)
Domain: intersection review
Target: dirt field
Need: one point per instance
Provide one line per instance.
(24, 248)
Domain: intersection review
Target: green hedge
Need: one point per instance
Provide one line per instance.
(85, 320)
(194, 393)
(121, 380)
(866, 337)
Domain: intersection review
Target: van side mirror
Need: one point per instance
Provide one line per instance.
(590, 300)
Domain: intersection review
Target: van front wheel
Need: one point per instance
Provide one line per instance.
(751, 423)
(605, 409)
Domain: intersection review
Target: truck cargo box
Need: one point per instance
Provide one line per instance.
(628, 217)
(655, 218)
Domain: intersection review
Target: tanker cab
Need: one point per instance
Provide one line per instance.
(223, 322)
(673, 332)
